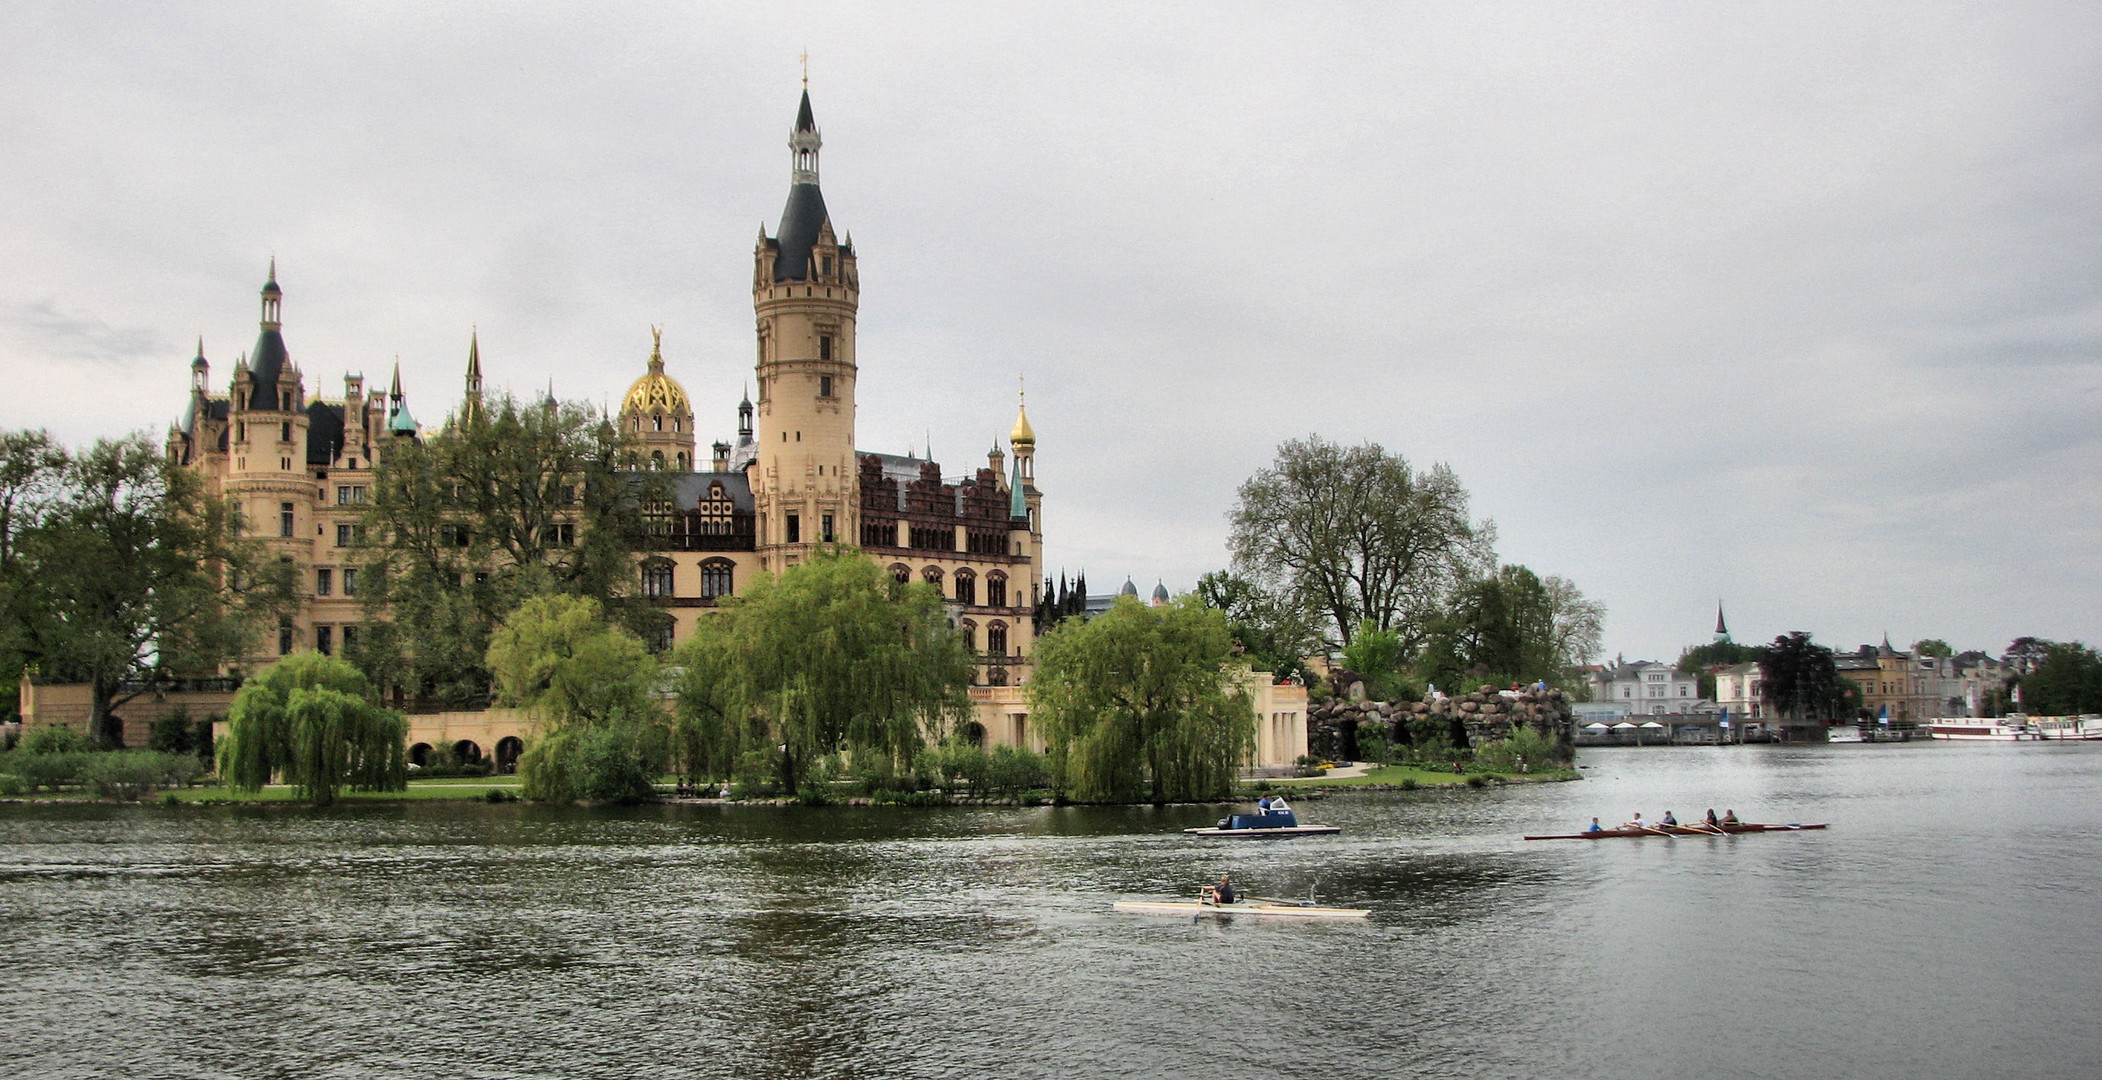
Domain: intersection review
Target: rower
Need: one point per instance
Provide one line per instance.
(1711, 817)
(1637, 823)
(1670, 822)
(1729, 817)
(1222, 893)
(1595, 826)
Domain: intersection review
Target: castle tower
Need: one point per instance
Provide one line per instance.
(1026, 530)
(267, 475)
(471, 402)
(657, 414)
(805, 292)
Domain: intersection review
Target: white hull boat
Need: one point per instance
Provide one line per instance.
(1199, 909)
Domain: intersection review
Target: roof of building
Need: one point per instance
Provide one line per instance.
(324, 432)
(688, 489)
(801, 222)
(656, 392)
(265, 366)
(1160, 592)
(805, 121)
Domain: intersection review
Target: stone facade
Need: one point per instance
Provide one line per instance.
(1472, 719)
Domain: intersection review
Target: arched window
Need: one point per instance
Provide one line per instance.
(657, 460)
(680, 461)
(932, 576)
(966, 587)
(902, 573)
(657, 579)
(970, 634)
(996, 638)
(657, 422)
(996, 589)
(718, 578)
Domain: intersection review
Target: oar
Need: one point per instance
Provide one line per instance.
(1287, 903)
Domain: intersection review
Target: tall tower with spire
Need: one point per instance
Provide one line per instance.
(805, 292)
(471, 403)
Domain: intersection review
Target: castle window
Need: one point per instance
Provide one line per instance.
(237, 522)
(661, 635)
(241, 431)
(565, 534)
(657, 423)
(824, 350)
(657, 460)
(718, 578)
(657, 579)
(824, 386)
(324, 640)
(795, 528)
(996, 639)
(969, 630)
(284, 432)
(324, 581)
(996, 590)
(966, 587)
(350, 581)
(284, 636)
(284, 519)
(932, 576)
(825, 528)
(825, 265)
(901, 573)
(350, 638)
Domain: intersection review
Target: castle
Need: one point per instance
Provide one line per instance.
(299, 470)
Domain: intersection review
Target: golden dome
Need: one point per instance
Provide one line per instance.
(656, 392)
(1023, 434)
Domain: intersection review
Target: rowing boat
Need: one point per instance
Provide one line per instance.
(1276, 821)
(1197, 908)
(1681, 830)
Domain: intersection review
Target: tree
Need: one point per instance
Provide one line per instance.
(1142, 702)
(593, 687)
(2068, 681)
(1702, 661)
(1273, 633)
(513, 501)
(1799, 678)
(2024, 654)
(313, 718)
(1375, 656)
(1513, 627)
(123, 571)
(831, 655)
(1934, 647)
(1354, 534)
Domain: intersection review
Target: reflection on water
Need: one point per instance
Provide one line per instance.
(1945, 920)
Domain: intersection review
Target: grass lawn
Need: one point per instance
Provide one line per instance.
(1396, 775)
(474, 788)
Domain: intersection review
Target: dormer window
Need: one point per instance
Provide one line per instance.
(826, 262)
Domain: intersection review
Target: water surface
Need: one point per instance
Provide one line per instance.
(1944, 926)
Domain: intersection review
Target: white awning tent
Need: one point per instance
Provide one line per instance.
(1625, 725)
(1653, 725)
(1597, 726)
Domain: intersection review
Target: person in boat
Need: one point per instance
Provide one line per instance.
(1729, 817)
(1222, 893)
(1636, 824)
(1711, 822)
(1595, 826)
(1670, 822)
(1262, 805)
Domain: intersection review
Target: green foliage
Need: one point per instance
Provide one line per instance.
(1139, 702)
(114, 774)
(1274, 634)
(1376, 656)
(1354, 534)
(1512, 627)
(1800, 679)
(1003, 772)
(56, 740)
(1527, 744)
(1701, 661)
(118, 568)
(2068, 681)
(831, 655)
(312, 718)
(593, 686)
(1934, 647)
(44, 770)
(517, 501)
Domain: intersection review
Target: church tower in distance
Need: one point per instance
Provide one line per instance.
(805, 290)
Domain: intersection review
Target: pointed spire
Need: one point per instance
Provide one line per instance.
(1722, 629)
(394, 391)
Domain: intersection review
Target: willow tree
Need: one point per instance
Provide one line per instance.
(831, 655)
(312, 719)
(592, 686)
(1143, 702)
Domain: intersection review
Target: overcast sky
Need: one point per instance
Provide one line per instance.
(1795, 306)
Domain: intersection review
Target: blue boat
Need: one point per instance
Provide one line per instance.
(1275, 822)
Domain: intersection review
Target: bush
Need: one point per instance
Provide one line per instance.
(56, 740)
(1539, 751)
(910, 798)
(1477, 780)
(129, 774)
(618, 765)
(1014, 771)
(44, 770)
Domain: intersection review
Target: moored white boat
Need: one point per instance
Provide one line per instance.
(1983, 730)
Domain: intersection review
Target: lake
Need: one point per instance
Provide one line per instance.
(1946, 925)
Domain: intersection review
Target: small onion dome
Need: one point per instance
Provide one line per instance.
(656, 392)
(1129, 589)
(1023, 434)
(1160, 593)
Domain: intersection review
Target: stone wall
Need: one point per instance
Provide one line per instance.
(1472, 719)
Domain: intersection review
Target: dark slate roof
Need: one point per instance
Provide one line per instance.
(264, 366)
(214, 409)
(801, 221)
(804, 120)
(688, 489)
(324, 432)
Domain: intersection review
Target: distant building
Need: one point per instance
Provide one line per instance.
(1737, 691)
(1646, 687)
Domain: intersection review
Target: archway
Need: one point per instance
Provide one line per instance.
(420, 754)
(467, 752)
(507, 750)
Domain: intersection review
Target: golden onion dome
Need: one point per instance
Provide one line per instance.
(1023, 434)
(656, 392)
